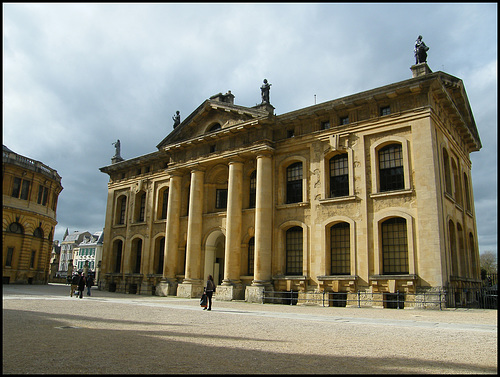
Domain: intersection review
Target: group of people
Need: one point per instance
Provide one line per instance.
(78, 284)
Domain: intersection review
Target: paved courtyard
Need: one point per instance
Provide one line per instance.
(47, 331)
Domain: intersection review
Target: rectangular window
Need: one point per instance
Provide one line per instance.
(391, 172)
(143, 207)
(25, 190)
(290, 133)
(251, 256)
(253, 189)
(164, 204)
(221, 199)
(21, 188)
(325, 125)
(16, 189)
(10, 254)
(395, 247)
(294, 183)
(340, 249)
(339, 176)
(344, 121)
(45, 195)
(32, 261)
(386, 110)
(294, 251)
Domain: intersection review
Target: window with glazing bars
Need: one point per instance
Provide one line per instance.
(42, 195)
(21, 188)
(253, 189)
(142, 207)
(164, 204)
(339, 176)
(221, 199)
(137, 267)
(294, 183)
(294, 251)
(123, 206)
(251, 254)
(394, 246)
(391, 171)
(340, 247)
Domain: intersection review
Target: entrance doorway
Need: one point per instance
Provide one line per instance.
(214, 256)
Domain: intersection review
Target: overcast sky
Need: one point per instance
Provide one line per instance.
(77, 77)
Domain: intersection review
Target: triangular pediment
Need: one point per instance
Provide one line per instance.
(216, 113)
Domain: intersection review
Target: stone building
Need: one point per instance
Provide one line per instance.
(30, 192)
(88, 252)
(368, 193)
(69, 246)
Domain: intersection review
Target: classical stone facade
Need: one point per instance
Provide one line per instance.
(30, 192)
(362, 194)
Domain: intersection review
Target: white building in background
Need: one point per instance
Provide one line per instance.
(69, 243)
(89, 250)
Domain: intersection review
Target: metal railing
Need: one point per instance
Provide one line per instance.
(451, 298)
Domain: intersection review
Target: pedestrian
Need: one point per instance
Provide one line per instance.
(74, 283)
(90, 283)
(210, 289)
(81, 285)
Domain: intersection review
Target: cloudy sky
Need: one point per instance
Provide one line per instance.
(77, 77)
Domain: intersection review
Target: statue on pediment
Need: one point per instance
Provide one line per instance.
(177, 118)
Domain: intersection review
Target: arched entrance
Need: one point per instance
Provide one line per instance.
(214, 256)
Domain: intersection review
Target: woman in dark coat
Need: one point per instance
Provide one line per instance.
(81, 285)
(210, 289)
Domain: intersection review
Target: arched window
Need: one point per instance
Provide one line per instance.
(140, 202)
(340, 249)
(164, 203)
(38, 233)
(467, 193)
(118, 256)
(121, 207)
(456, 180)
(453, 249)
(137, 253)
(394, 246)
(464, 262)
(447, 175)
(391, 171)
(253, 189)
(215, 127)
(251, 255)
(161, 256)
(473, 256)
(339, 176)
(294, 183)
(294, 251)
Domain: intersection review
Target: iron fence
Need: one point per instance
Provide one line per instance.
(450, 298)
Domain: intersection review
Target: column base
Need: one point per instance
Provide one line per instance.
(230, 292)
(166, 287)
(190, 289)
(255, 293)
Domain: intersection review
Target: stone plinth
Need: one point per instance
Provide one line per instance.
(420, 69)
(166, 288)
(230, 292)
(190, 289)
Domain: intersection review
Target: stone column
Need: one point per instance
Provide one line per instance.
(231, 285)
(192, 285)
(263, 229)
(168, 285)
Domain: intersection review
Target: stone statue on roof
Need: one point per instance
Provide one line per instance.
(420, 51)
(177, 118)
(117, 148)
(264, 89)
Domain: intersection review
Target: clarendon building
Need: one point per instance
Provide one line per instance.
(30, 191)
(368, 193)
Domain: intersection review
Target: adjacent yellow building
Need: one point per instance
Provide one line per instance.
(369, 193)
(30, 192)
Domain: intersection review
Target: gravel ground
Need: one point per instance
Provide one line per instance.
(46, 331)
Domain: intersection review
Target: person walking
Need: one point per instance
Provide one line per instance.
(210, 289)
(74, 283)
(90, 283)
(81, 285)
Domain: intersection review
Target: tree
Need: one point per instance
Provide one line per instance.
(488, 261)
